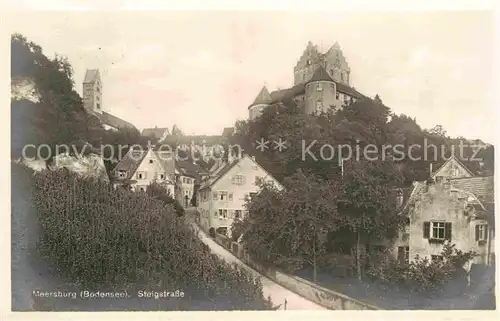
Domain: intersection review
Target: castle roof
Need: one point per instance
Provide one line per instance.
(91, 76)
(263, 97)
(320, 75)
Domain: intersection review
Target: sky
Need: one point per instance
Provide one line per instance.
(201, 70)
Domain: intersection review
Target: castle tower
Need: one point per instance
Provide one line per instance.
(320, 92)
(333, 61)
(92, 92)
(336, 65)
(307, 64)
(262, 101)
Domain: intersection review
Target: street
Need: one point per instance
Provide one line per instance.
(278, 293)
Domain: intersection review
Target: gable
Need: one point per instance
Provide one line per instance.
(248, 168)
(159, 165)
(453, 168)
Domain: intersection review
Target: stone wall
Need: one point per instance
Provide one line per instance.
(313, 292)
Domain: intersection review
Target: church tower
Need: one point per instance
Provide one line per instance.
(92, 92)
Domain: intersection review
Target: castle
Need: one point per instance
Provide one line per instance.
(92, 102)
(321, 83)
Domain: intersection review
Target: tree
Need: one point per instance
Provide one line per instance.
(160, 193)
(367, 202)
(288, 228)
(438, 130)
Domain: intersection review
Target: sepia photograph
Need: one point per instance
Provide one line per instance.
(252, 160)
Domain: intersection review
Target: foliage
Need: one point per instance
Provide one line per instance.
(103, 238)
(159, 192)
(421, 274)
(287, 228)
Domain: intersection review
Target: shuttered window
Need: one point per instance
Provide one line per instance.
(437, 230)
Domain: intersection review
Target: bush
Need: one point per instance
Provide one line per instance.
(101, 238)
(157, 191)
(421, 275)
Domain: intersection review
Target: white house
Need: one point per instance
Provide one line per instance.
(139, 168)
(223, 195)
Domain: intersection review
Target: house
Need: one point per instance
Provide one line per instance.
(321, 83)
(188, 176)
(223, 194)
(93, 104)
(455, 206)
(139, 168)
(156, 133)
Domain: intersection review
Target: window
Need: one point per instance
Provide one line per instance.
(258, 180)
(98, 106)
(215, 214)
(308, 62)
(437, 230)
(342, 76)
(319, 106)
(162, 176)
(319, 88)
(404, 254)
(437, 258)
(222, 213)
(238, 179)
(141, 175)
(481, 232)
(237, 214)
(141, 189)
(151, 161)
(223, 196)
(337, 95)
(230, 196)
(122, 174)
(346, 98)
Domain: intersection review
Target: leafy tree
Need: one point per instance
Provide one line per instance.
(367, 202)
(288, 228)
(160, 193)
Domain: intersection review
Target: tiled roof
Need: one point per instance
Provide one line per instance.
(343, 88)
(91, 76)
(131, 161)
(287, 94)
(154, 132)
(320, 74)
(228, 131)
(482, 187)
(290, 93)
(220, 174)
(113, 121)
(188, 168)
(263, 97)
(197, 139)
